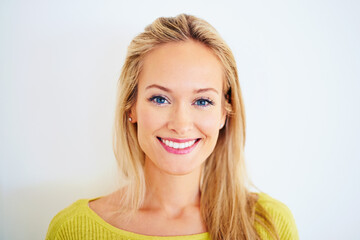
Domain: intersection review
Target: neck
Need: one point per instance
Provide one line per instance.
(169, 193)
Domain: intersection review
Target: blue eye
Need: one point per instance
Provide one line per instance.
(203, 102)
(158, 100)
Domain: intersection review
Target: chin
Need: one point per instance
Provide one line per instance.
(179, 170)
(173, 166)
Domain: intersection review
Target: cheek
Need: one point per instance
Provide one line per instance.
(209, 123)
(148, 120)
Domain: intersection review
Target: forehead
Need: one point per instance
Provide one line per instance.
(182, 66)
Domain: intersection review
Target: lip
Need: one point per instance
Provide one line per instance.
(179, 151)
(180, 140)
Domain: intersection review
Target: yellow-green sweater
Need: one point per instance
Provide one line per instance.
(78, 221)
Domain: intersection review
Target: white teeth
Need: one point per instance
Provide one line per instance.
(178, 145)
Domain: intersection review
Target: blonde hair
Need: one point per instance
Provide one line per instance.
(227, 206)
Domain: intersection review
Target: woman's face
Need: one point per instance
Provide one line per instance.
(179, 107)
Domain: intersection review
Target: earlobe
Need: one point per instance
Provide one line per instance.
(131, 119)
(132, 115)
(223, 123)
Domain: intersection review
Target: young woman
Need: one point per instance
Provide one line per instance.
(179, 142)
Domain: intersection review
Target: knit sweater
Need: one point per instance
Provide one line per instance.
(79, 221)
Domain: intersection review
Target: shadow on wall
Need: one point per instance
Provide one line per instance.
(28, 210)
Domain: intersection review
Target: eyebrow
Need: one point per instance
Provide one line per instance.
(170, 91)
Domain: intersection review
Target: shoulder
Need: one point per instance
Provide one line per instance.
(273, 206)
(280, 215)
(68, 216)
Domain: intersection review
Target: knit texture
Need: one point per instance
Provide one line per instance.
(78, 221)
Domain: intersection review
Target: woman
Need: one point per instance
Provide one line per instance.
(179, 142)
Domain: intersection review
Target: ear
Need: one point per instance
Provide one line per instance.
(223, 120)
(132, 114)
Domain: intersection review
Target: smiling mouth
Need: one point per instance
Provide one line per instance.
(183, 144)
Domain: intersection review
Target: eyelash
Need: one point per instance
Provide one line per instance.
(207, 100)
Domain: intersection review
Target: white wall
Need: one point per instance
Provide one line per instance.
(299, 70)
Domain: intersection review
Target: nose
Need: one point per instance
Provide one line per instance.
(181, 120)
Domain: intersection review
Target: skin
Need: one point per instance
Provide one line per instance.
(169, 105)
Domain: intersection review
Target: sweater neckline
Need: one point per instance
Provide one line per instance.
(98, 219)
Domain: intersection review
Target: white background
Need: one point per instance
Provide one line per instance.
(299, 70)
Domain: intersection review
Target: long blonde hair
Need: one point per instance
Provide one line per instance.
(227, 206)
